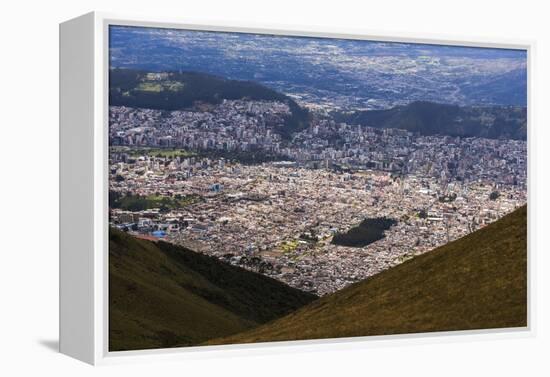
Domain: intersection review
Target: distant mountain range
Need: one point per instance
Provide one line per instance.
(182, 90)
(429, 118)
(161, 295)
(476, 282)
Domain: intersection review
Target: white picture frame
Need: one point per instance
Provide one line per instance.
(84, 190)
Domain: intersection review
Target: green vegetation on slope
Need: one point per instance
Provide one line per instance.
(367, 232)
(177, 91)
(476, 282)
(162, 295)
(429, 118)
(140, 203)
(169, 153)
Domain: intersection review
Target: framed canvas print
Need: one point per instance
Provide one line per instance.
(224, 187)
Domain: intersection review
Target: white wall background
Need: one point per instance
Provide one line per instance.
(29, 184)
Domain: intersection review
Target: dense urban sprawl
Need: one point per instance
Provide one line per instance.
(181, 176)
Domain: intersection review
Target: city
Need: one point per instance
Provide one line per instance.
(275, 188)
(220, 179)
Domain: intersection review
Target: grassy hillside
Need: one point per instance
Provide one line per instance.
(429, 118)
(161, 295)
(180, 90)
(476, 282)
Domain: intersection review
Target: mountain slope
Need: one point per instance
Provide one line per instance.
(508, 88)
(180, 90)
(476, 282)
(161, 295)
(430, 118)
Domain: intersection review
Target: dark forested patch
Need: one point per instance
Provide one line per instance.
(367, 232)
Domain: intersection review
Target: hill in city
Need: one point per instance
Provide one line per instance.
(162, 295)
(430, 118)
(182, 90)
(476, 282)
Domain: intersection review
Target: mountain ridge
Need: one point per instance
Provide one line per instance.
(432, 118)
(476, 282)
(162, 295)
(181, 90)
